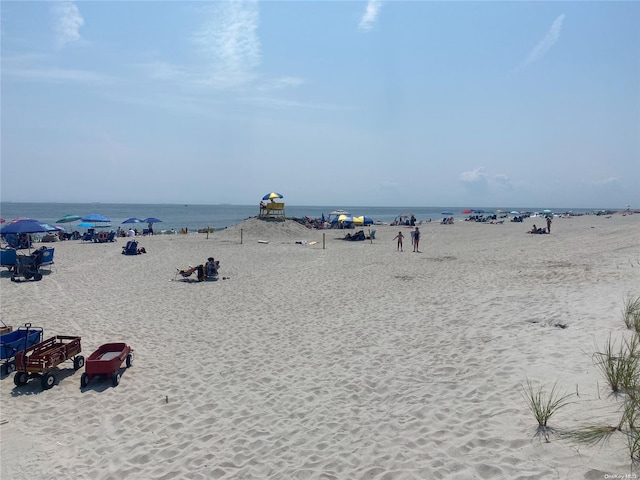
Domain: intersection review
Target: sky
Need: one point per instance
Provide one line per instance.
(378, 103)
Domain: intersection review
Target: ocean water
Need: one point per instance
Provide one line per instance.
(195, 217)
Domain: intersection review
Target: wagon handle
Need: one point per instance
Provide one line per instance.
(26, 337)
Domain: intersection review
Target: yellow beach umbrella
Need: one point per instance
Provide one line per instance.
(272, 196)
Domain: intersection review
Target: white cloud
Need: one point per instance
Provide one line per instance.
(479, 179)
(475, 176)
(606, 182)
(56, 75)
(229, 41)
(288, 82)
(370, 15)
(546, 43)
(66, 22)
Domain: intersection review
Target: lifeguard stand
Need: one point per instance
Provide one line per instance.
(273, 210)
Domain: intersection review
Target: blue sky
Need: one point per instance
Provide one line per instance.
(358, 103)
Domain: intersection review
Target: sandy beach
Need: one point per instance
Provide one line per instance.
(353, 361)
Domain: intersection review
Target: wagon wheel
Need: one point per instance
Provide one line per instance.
(129, 361)
(115, 378)
(37, 276)
(84, 380)
(11, 367)
(21, 378)
(78, 362)
(27, 275)
(48, 381)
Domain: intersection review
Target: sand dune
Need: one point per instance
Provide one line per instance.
(352, 361)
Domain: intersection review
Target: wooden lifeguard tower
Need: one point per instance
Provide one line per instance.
(273, 210)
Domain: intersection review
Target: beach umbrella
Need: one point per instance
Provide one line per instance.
(515, 213)
(447, 212)
(95, 217)
(68, 219)
(133, 220)
(86, 225)
(152, 220)
(2, 220)
(466, 211)
(362, 220)
(25, 225)
(272, 196)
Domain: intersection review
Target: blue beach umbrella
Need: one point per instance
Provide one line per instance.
(272, 196)
(95, 217)
(86, 225)
(447, 212)
(25, 225)
(152, 220)
(132, 220)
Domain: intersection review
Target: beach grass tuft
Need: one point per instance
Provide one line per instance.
(593, 434)
(631, 312)
(619, 366)
(543, 405)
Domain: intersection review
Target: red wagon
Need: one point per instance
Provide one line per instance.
(39, 359)
(107, 361)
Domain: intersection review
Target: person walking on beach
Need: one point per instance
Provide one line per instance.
(548, 224)
(399, 237)
(416, 240)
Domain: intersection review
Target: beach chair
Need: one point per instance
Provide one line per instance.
(8, 258)
(89, 236)
(47, 259)
(131, 248)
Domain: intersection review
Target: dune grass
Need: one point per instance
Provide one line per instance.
(543, 405)
(620, 366)
(631, 312)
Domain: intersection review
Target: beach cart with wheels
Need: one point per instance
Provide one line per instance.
(14, 342)
(107, 361)
(40, 359)
(28, 266)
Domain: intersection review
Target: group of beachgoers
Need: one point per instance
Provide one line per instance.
(540, 230)
(415, 240)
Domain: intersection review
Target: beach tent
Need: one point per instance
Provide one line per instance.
(335, 214)
(403, 219)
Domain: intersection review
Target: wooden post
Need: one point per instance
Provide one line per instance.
(240, 236)
(323, 238)
(207, 233)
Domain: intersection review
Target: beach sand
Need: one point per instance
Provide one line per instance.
(353, 361)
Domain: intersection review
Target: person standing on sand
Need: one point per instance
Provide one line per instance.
(548, 224)
(416, 240)
(399, 237)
